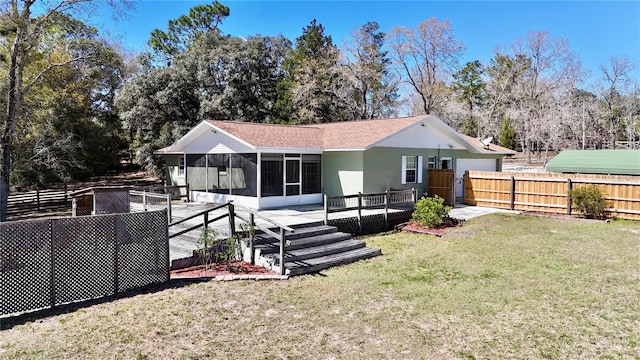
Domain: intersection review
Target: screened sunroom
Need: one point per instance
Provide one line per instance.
(259, 180)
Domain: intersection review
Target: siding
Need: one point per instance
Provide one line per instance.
(342, 172)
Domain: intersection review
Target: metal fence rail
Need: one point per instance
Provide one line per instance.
(46, 263)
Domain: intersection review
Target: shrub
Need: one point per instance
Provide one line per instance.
(430, 211)
(589, 201)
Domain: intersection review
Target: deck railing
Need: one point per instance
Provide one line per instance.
(150, 198)
(362, 201)
(231, 215)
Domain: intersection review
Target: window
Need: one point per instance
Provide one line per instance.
(412, 169)
(431, 162)
(181, 166)
(445, 163)
(311, 174)
(271, 169)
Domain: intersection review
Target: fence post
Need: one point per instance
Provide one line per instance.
(282, 244)
(52, 264)
(512, 201)
(232, 220)
(252, 234)
(359, 212)
(65, 193)
(38, 199)
(169, 207)
(326, 209)
(569, 188)
(116, 274)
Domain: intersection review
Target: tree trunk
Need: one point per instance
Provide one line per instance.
(14, 105)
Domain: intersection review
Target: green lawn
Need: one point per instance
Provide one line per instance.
(501, 286)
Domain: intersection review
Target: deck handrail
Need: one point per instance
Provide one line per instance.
(368, 201)
(232, 215)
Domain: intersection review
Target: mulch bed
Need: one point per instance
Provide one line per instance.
(237, 268)
(437, 231)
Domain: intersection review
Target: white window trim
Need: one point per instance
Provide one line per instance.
(418, 170)
(182, 166)
(447, 159)
(432, 162)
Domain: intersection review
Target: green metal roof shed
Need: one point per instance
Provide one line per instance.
(612, 162)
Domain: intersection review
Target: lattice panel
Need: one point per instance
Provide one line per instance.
(112, 202)
(143, 251)
(373, 224)
(347, 225)
(25, 263)
(399, 217)
(84, 255)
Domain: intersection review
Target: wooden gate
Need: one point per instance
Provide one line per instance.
(442, 183)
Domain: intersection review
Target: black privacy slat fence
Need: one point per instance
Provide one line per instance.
(49, 262)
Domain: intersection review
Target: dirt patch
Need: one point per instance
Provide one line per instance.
(560, 216)
(236, 268)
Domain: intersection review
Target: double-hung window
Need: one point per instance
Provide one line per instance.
(412, 169)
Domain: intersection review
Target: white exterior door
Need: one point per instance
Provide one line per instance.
(463, 165)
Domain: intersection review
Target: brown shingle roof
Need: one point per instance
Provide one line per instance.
(267, 135)
(338, 135)
(492, 148)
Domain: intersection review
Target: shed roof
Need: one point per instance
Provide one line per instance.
(612, 162)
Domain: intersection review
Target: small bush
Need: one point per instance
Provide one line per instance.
(430, 211)
(589, 201)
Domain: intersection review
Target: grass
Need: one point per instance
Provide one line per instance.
(501, 286)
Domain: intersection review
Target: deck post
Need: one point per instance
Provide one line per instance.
(205, 222)
(144, 200)
(569, 189)
(386, 208)
(282, 243)
(188, 199)
(169, 207)
(360, 212)
(252, 234)
(326, 209)
(232, 220)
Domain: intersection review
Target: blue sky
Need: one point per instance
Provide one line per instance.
(596, 30)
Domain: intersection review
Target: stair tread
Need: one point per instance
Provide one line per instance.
(334, 257)
(318, 264)
(345, 244)
(311, 241)
(298, 233)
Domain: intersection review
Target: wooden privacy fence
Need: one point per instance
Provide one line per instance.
(549, 192)
(49, 262)
(442, 182)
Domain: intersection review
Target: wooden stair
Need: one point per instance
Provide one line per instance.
(310, 249)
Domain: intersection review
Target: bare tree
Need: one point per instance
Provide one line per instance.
(554, 69)
(613, 85)
(26, 31)
(426, 56)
